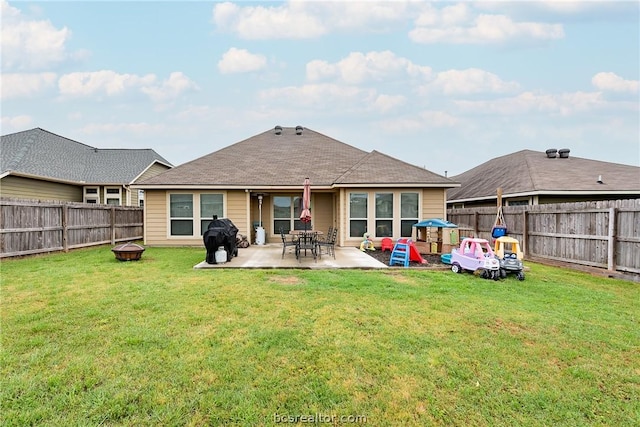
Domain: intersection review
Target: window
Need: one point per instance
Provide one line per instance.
(524, 202)
(210, 205)
(181, 214)
(286, 214)
(91, 195)
(141, 198)
(408, 213)
(357, 214)
(384, 214)
(112, 196)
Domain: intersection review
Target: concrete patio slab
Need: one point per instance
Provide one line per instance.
(270, 256)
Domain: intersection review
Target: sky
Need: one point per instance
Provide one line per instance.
(440, 85)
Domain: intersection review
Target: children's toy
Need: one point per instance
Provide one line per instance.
(475, 255)
(367, 243)
(499, 227)
(387, 244)
(507, 249)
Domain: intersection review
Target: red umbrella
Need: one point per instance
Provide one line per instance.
(305, 214)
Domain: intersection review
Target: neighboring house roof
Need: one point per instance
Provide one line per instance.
(42, 154)
(286, 159)
(530, 172)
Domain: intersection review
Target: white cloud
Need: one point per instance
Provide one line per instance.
(528, 102)
(110, 83)
(470, 81)
(30, 44)
(308, 19)
(174, 86)
(26, 85)
(613, 82)
(240, 61)
(259, 22)
(386, 103)
(16, 123)
(372, 66)
(457, 24)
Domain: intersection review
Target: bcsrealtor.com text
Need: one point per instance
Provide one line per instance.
(319, 418)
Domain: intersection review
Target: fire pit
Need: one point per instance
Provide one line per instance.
(128, 252)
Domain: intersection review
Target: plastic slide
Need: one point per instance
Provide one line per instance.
(414, 255)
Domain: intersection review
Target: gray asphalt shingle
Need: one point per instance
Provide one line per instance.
(268, 159)
(44, 154)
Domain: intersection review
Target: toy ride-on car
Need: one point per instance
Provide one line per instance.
(510, 256)
(475, 255)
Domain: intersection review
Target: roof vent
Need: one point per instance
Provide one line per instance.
(551, 153)
(564, 153)
(278, 130)
(600, 181)
(298, 130)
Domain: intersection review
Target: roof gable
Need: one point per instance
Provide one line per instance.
(286, 159)
(38, 152)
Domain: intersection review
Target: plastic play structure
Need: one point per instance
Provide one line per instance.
(475, 255)
(404, 251)
(435, 235)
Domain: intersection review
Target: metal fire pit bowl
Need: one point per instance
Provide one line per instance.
(128, 252)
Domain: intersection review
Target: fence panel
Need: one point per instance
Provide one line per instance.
(30, 227)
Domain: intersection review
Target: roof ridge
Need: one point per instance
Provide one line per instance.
(353, 167)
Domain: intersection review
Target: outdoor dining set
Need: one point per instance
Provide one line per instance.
(310, 242)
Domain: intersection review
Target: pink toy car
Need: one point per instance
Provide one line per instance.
(475, 254)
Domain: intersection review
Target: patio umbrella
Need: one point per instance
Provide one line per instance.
(305, 214)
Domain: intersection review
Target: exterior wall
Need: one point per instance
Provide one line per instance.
(156, 214)
(155, 169)
(327, 209)
(432, 204)
(34, 189)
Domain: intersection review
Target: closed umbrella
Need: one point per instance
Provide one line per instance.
(305, 214)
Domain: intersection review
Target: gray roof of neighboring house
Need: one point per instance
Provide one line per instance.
(268, 159)
(527, 172)
(40, 153)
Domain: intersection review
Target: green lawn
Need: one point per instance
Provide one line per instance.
(88, 340)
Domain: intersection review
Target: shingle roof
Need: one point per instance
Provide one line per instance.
(268, 159)
(44, 154)
(530, 171)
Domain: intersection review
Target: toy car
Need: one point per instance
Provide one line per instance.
(507, 249)
(475, 255)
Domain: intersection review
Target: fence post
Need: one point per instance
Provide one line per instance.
(475, 224)
(525, 229)
(113, 225)
(611, 240)
(65, 228)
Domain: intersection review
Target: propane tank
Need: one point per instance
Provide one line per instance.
(221, 255)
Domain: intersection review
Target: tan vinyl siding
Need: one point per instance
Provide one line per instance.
(155, 169)
(433, 203)
(34, 189)
(322, 211)
(236, 210)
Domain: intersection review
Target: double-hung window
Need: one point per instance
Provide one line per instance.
(358, 214)
(286, 214)
(91, 195)
(384, 214)
(113, 196)
(181, 214)
(408, 213)
(210, 205)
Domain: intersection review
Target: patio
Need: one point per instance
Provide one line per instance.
(270, 256)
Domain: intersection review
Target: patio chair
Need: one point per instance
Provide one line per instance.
(307, 242)
(287, 242)
(329, 243)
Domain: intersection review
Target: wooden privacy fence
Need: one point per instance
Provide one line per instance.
(604, 234)
(31, 227)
